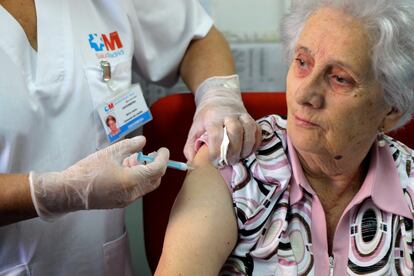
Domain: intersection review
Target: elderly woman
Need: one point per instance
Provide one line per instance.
(326, 193)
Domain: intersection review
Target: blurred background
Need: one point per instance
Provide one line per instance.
(253, 31)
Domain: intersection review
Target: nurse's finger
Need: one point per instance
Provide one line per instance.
(195, 132)
(126, 147)
(249, 134)
(131, 160)
(215, 137)
(235, 134)
(155, 169)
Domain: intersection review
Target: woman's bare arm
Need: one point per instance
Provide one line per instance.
(202, 229)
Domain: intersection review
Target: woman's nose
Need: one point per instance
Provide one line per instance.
(310, 93)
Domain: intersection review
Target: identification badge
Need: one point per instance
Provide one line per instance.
(124, 113)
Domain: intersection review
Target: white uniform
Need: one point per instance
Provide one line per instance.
(48, 121)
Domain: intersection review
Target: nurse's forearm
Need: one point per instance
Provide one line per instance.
(207, 57)
(15, 199)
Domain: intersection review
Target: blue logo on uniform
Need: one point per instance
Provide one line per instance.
(96, 42)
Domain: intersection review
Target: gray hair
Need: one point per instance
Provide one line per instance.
(390, 25)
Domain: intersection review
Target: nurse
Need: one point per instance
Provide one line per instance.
(60, 62)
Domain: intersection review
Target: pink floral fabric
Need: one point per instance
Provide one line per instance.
(281, 222)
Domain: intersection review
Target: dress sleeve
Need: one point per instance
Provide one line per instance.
(259, 180)
(163, 29)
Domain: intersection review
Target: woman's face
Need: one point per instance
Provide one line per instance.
(335, 106)
(112, 126)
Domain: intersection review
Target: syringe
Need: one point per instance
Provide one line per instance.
(171, 164)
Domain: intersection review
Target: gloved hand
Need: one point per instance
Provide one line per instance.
(219, 104)
(103, 180)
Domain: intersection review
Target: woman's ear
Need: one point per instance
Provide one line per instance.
(391, 119)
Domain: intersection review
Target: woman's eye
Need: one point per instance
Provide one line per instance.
(339, 82)
(301, 62)
(302, 67)
(341, 79)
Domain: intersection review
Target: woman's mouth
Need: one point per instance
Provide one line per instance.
(303, 122)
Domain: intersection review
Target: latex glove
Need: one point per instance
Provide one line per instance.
(103, 180)
(219, 104)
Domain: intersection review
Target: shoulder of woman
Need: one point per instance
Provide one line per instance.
(403, 157)
(400, 152)
(260, 180)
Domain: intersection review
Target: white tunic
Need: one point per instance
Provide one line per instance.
(48, 122)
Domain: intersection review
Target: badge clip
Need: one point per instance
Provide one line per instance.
(106, 70)
(106, 76)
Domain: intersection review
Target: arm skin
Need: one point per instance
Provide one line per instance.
(207, 57)
(202, 229)
(15, 199)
